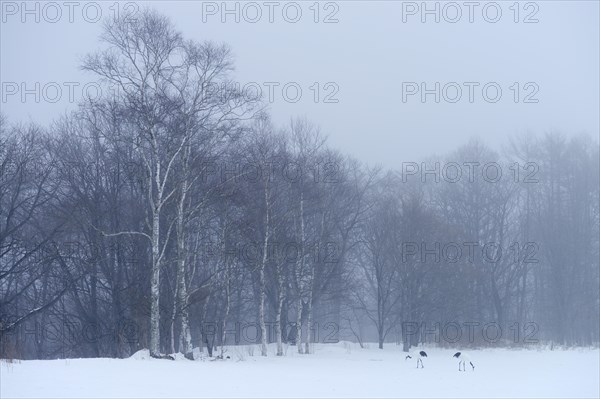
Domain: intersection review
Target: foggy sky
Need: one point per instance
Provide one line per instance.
(367, 54)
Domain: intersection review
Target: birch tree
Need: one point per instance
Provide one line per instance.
(143, 57)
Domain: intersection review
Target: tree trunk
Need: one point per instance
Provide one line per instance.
(182, 295)
(309, 322)
(155, 289)
(299, 270)
(172, 325)
(299, 326)
(261, 314)
(227, 307)
(261, 306)
(278, 311)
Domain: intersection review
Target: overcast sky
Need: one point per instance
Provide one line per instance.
(361, 75)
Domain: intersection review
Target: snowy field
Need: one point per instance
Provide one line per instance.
(334, 370)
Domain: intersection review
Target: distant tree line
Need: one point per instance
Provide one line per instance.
(169, 215)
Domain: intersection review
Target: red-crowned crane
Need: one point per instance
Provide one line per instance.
(463, 358)
(419, 355)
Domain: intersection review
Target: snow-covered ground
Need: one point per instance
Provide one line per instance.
(334, 370)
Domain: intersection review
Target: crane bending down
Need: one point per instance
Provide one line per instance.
(419, 355)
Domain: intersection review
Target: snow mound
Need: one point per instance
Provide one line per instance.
(143, 354)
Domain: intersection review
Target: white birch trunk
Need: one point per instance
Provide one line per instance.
(226, 313)
(155, 288)
(172, 326)
(311, 289)
(227, 290)
(278, 311)
(309, 323)
(182, 295)
(261, 307)
(299, 326)
(299, 270)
